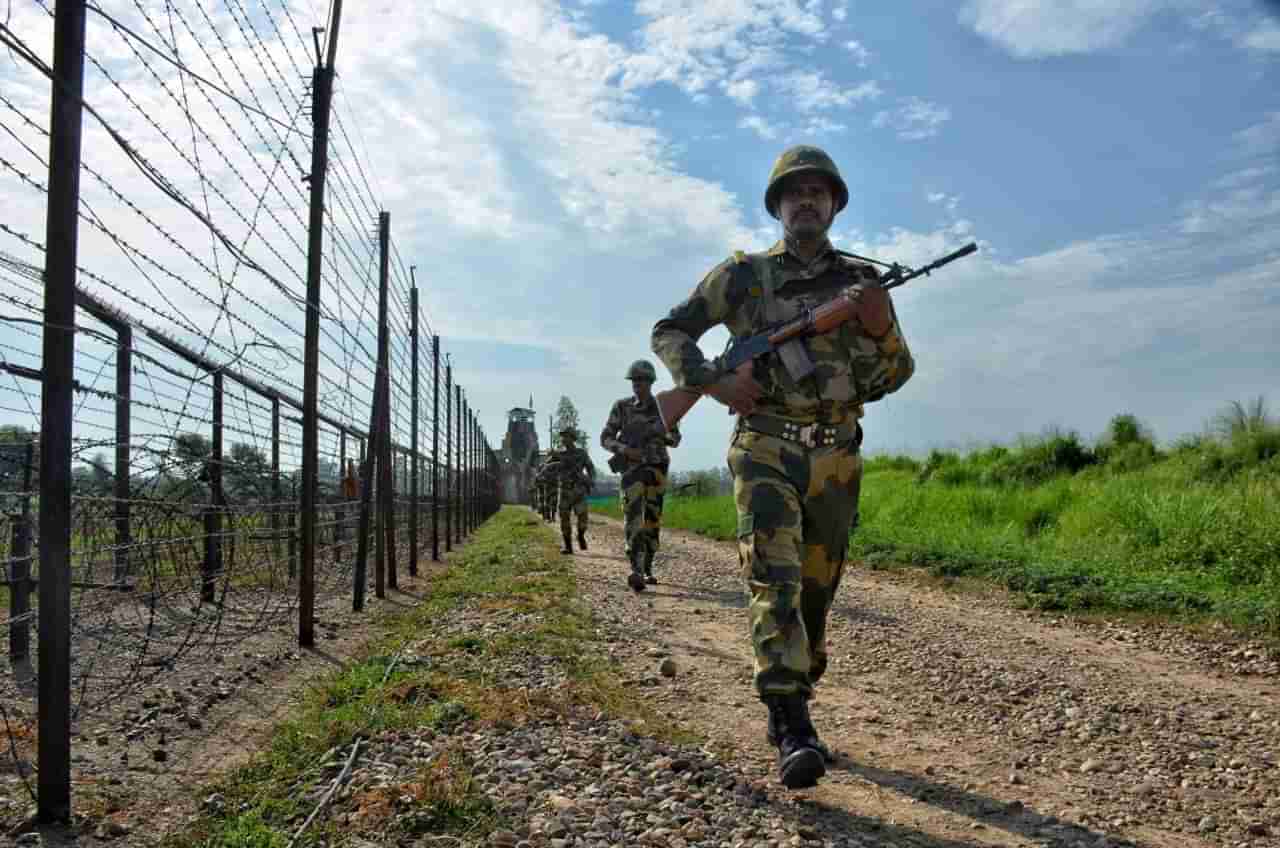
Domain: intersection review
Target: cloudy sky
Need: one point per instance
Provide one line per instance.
(561, 174)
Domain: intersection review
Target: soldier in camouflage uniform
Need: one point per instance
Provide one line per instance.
(635, 434)
(535, 462)
(794, 453)
(575, 476)
(546, 483)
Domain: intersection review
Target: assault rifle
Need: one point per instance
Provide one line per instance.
(783, 338)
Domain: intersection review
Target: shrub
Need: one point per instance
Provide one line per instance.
(1038, 462)
(896, 462)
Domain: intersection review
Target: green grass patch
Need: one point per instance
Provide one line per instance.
(1119, 527)
(511, 563)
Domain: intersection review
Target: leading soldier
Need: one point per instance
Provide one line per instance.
(635, 436)
(794, 453)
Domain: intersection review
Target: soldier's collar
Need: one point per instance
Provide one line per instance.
(785, 246)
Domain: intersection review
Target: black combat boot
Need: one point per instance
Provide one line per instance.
(582, 539)
(648, 567)
(636, 578)
(811, 737)
(799, 763)
(568, 545)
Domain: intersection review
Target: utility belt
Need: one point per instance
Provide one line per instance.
(811, 435)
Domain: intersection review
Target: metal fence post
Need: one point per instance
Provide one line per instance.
(435, 448)
(124, 378)
(457, 483)
(382, 456)
(413, 430)
(213, 523)
(58, 366)
(448, 457)
(276, 493)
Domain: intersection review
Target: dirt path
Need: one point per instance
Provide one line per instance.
(963, 721)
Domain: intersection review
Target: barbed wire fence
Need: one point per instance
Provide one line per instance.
(194, 338)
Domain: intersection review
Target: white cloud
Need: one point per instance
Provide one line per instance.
(948, 201)
(693, 44)
(1266, 36)
(861, 55)
(743, 91)
(810, 91)
(759, 126)
(1032, 29)
(839, 13)
(914, 119)
(1260, 139)
(1239, 207)
(1244, 176)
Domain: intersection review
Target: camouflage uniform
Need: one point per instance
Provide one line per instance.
(574, 475)
(545, 482)
(644, 482)
(796, 502)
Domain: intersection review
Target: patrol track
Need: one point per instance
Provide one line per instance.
(963, 721)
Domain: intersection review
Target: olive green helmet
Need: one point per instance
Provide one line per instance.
(642, 369)
(805, 159)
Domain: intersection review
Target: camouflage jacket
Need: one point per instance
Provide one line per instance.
(629, 413)
(852, 367)
(573, 469)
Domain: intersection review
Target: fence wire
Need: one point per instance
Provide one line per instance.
(187, 429)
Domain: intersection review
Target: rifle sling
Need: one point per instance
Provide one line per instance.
(794, 354)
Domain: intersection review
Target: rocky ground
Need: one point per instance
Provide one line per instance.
(962, 720)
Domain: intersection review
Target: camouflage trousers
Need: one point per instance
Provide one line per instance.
(796, 507)
(572, 502)
(642, 491)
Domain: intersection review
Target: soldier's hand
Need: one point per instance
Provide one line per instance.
(873, 309)
(739, 391)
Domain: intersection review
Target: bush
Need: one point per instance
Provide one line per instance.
(896, 462)
(936, 460)
(1133, 456)
(1039, 462)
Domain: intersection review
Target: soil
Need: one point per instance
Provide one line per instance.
(963, 720)
(142, 753)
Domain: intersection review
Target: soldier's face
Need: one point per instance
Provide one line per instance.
(805, 206)
(643, 389)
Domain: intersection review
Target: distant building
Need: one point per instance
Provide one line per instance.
(519, 454)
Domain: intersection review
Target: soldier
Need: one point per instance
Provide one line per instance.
(548, 484)
(635, 436)
(794, 453)
(534, 463)
(575, 475)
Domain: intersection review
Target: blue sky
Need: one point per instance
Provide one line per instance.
(563, 173)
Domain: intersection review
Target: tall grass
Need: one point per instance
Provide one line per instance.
(1120, 525)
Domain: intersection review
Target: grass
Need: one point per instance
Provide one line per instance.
(512, 563)
(1190, 534)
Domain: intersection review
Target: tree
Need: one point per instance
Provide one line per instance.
(246, 473)
(95, 477)
(567, 416)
